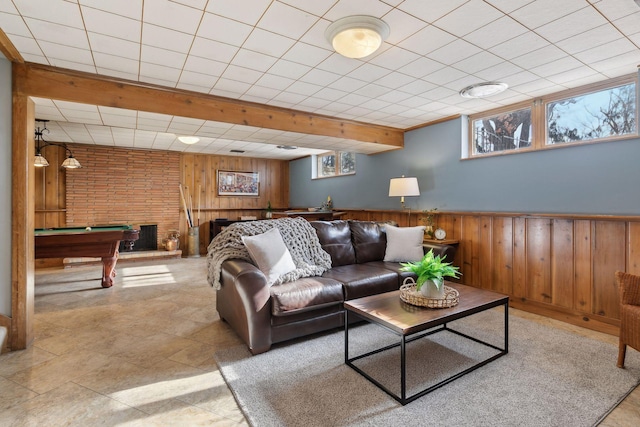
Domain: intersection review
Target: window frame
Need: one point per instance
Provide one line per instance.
(539, 120)
(317, 158)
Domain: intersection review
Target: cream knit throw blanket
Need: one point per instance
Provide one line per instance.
(298, 235)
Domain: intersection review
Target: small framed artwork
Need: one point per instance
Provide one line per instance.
(232, 183)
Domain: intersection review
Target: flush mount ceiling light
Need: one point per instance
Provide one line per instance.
(188, 139)
(287, 147)
(482, 90)
(357, 36)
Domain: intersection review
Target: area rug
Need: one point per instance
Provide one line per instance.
(550, 377)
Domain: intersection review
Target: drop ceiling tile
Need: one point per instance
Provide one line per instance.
(403, 25)
(204, 66)
(541, 12)
(309, 55)
(330, 94)
(67, 53)
(211, 49)
(241, 74)
(157, 56)
(444, 75)
(165, 38)
(468, 17)
(394, 57)
(607, 50)
(114, 46)
(519, 46)
(224, 30)
(45, 112)
(302, 88)
(118, 74)
(454, 52)
(589, 39)
(629, 24)
(297, 21)
(519, 78)
(618, 65)
(111, 24)
(317, 7)
(507, 6)
(269, 43)
(499, 71)
(128, 8)
(357, 7)
(119, 121)
(168, 14)
(353, 99)
(8, 7)
(61, 63)
(247, 11)
(117, 111)
(203, 81)
(496, 32)
(421, 67)
(60, 12)
(368, 73)
(231, 86)
(616, 9)
(25, 45)
(263, 93)
(274, 82)
(14, 25)
(427, 40)
(111, 62)
(430, 10)
(289, 69)
(477, 62)
(394, 80)
(36, 59)
(253, 60)
(571, 25)
(347, 84)
(56, 33)
(559, 66)
(571, 75)
(372, 91)
(538, 57)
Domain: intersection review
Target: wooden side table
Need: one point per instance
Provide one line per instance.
(441, 242)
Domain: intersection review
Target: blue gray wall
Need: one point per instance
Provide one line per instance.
(601, 178)
(5, 186)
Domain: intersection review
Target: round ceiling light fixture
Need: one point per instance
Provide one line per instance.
(483, 90)
(188, 139)
(357, 36)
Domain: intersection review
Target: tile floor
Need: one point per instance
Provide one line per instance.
(141, 353)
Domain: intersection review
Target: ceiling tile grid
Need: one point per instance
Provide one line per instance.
(274, 52)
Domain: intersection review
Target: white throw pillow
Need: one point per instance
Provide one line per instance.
(270, 254)
(404, 244)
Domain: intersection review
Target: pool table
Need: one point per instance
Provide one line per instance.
(99, 242)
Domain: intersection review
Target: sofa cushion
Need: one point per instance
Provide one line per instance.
(335, 239)
(404, 244)
(270, 254)
(361, 280)
(369, 240)
(309, 293)
(395, 267)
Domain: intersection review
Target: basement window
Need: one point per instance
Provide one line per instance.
(333, 163)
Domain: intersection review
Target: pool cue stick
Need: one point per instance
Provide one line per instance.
(184, 205)
(190, 205)
(199, 190)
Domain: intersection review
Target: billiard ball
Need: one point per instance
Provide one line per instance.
(88, 228)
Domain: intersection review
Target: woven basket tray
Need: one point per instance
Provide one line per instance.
(410, 295)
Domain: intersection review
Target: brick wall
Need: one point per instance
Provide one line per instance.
(124, 186)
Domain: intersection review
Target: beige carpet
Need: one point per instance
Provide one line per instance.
(549, 378)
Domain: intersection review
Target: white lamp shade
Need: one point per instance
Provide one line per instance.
(400, 187)
(71, 163)
(39, 161)
(357, 36)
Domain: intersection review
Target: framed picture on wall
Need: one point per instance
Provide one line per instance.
(233, 183)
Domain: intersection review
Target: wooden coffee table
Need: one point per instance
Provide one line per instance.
(410, 322)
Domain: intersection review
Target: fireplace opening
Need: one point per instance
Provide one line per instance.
(147, 240)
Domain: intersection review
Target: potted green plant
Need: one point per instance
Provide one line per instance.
(431, 271)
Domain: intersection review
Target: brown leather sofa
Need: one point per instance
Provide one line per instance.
(263, 316)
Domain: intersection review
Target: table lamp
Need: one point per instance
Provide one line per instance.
(403, 186)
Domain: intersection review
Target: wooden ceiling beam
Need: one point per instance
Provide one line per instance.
(8, 49)
(67, 85)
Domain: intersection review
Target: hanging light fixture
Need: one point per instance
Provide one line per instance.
(39, 161)
(357, 36)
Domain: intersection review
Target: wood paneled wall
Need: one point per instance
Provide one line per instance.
(199, 173)
(561, 266)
